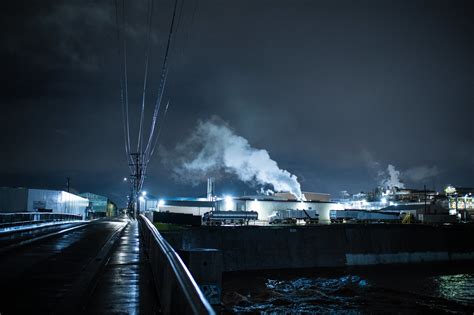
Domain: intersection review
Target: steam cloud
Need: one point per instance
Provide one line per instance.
(420, 173)
(392, 178)
(215, 147)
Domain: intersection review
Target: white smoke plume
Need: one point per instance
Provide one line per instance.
(214, 147)
(392, 178)
(266, 192)
(420, 173)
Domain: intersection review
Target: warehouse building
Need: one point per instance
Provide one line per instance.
(195, 206)
(461, 201)
(99, 206)
(266, 205)
(262, 204)
(41, 200)
(147, 202)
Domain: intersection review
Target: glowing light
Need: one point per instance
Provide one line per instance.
(450, 190)
(229, 202)
(161, 202)
(141, 198)
(125, 179)
(383, 200)
(143, 193)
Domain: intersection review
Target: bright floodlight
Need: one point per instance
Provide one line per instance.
(125, 179)
(229, 202)
(161, 202)
(143, 193)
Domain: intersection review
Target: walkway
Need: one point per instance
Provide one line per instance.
(126, 284)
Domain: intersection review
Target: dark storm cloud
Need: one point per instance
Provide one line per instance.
(316, 83)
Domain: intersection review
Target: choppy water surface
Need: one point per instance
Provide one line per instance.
(420, 289)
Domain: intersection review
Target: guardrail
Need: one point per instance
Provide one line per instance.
(177, 291)
(35, 217)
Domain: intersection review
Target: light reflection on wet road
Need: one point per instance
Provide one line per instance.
(35, 278)
(126, 285)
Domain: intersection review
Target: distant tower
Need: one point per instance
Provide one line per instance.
(68, 184)
(210, 189)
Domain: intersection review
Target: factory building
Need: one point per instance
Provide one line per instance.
(195, 206)
(266, 205)
(99, 206)
(147, 202)
(461, 200)
(41, 200)
(411, 195)
(262, 204)
(379, 198)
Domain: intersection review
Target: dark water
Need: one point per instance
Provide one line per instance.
(401, 289)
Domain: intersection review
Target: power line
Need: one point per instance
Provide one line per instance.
(122, 84)
(164, 75)
(139, 160)
(124, 36)
(148, 158)
(149, 22)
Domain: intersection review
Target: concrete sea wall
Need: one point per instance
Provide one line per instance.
(254, 248)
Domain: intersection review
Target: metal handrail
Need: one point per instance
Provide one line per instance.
(16, 217)
(186, 283)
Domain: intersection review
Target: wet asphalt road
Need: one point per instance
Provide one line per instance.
(126, 284)
(40, 277)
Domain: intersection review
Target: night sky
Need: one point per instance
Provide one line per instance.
(333, 90)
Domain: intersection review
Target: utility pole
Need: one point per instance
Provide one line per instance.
(424, 188)
(137, 179)
(68, 182)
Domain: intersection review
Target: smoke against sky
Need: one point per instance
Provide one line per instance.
(312, 82)
(420, 173)
(213, 147)
(392, 179)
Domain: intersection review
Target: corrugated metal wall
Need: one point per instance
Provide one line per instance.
(58, 201)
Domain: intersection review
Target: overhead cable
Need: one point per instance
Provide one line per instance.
(164, 75)
(147, 52)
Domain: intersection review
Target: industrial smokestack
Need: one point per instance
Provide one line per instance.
(210, 188)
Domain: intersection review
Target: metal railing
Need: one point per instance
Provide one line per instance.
(177, 291)
(35, 217)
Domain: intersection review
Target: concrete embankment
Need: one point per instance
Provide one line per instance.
(256, 248)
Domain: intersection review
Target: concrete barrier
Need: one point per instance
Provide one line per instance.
(19, 218)
(254, 248)
(177, 291)
(205, 265)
